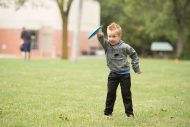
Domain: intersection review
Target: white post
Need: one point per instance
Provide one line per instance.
(76, 36)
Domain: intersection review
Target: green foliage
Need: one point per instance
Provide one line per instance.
(186, 52)
(144, 21)
(110, 13)
(8, 3)
(58, 93)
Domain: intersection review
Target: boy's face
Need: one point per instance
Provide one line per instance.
(113, 37)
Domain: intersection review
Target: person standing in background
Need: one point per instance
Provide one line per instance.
(26, 45)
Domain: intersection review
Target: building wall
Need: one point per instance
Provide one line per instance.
(46, 22)
(9, 41)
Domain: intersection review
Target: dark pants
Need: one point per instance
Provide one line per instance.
(114, 80)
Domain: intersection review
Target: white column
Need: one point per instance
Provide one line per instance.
(76, 36)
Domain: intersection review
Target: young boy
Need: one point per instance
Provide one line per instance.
(117, 52)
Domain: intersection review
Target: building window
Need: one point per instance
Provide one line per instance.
(34, 36)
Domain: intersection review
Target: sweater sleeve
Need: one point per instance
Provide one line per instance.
(134, 58)
(103, 42)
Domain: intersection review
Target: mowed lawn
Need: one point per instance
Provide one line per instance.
(58, 93)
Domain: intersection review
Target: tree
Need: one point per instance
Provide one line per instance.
(64, 8)
(166, 19)
(144, 21)
(122, 12)
(181, 11)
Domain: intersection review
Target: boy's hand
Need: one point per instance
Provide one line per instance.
(100, 33)
(139, 72)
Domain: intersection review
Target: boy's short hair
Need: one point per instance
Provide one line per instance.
(114, 27)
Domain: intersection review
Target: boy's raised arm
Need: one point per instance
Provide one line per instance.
(101, 39)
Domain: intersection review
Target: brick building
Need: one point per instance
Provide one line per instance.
(44, 23)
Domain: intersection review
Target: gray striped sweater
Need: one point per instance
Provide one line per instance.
(117, 56)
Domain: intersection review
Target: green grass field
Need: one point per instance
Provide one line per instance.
(57, 93)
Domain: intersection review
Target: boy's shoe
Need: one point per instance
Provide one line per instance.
(130, 115)
(107, 116)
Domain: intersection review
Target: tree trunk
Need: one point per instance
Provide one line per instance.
(180, 19)
(180, 36)
(64, 15)
(64, 37)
